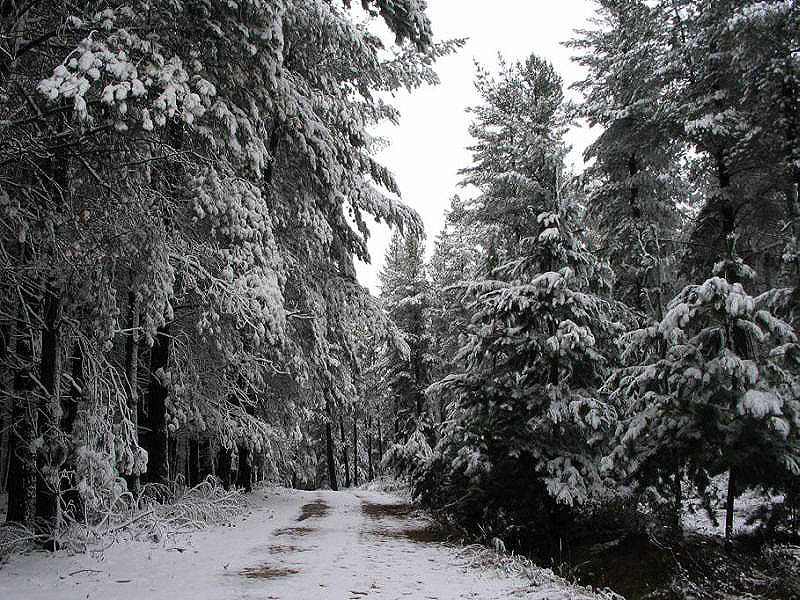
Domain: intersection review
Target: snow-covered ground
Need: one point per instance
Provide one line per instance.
(291, 545)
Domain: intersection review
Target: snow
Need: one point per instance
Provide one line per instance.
(341, 550)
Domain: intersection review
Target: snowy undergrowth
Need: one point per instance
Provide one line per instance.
(158, 514)
(515, 565)
(388, 484)
(490, 553)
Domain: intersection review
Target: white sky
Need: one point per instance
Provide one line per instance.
(429, 146)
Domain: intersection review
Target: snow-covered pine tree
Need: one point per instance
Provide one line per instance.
(526, 425)
(517, 130)
(695, 84)
(709, 389)
(406, 298)
(206, 178)
(638, 178)
(525, 420)
(457, 257)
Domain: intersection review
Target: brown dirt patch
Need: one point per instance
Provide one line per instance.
(420, 535)
(318, 508)
(267, 571)
(279, 549)
(375, 510)
(297, 531)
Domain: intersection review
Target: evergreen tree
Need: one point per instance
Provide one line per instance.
(181, 208)
(517, 152)
(526, 425)
(405, 296)
(710, 389)
(457, 258)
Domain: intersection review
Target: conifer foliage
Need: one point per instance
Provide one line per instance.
(183, 190)
(525, 425)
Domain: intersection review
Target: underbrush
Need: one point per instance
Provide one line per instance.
(386, 483)
(159, 512)
(706, 570)
(620, 544)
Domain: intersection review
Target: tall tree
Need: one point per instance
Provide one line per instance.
(405, 296)
(526, 425)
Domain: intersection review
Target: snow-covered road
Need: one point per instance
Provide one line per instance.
(290, 546)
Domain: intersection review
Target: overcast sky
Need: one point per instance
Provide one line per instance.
(429, 146)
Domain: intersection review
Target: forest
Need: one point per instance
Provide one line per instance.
(186, 185)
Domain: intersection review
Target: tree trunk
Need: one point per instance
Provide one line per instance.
(370, 466)
(22, 465)
(173, 443)
(131, 374)
(729, 501)
(206, 458)
(54, 453)
(329, 455)
(345, 458)
(380, 448)
(72, 501)
(194, 461)
(727, 213)
(224, 467)
(7, 335)
(158, 467)
(633, 198)
(245, 469)
(5, 437)
(355, 448)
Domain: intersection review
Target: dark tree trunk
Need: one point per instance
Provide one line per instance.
(7, 335)
(245, 469)
(224, 467)
(173, 443)
(380, 448)
(329, 454)
(194, 461)
(158, 466)
(729, 502)
(370, 466)
(633, 199)
(131, 374)
(22, 467)
(397, 411)
(71, 402)
(52, 458)
(727, 213)
(5, 435)
(345, 458)
(355, 448)
(72, 501)
(206, 458)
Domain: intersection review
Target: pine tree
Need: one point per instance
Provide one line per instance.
(457, 257)
(709, 389)
(405, 296)
(517, 131)
(193, 217)
(526, 425)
